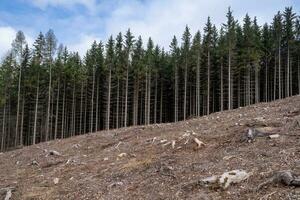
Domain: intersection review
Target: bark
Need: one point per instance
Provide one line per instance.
(256, 85)
(117, 110)
(97, 105)
(57, 109)
(49, 104)
(208, 83)
(92, 102)
(288, 73)
(161, 103)
(3, 128)
(155, 100)
(149, 98)
(18, 104)
(81, 105)
(22, 122)
(222, 88)
(185, 88)
(298, 76)
(229, 81)
(176, 94)
(198, 86)
(36, 110)
(126, 97)
(108, 100)
(63, 113)
(279, 72)
(266, 82)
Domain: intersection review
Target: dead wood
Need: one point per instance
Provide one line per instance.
(287, 178)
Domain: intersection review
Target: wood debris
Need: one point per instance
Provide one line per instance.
(227, 178)
(198, 142)
(8, 192)
(287, 178)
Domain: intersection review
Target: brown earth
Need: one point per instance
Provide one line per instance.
(136, 162)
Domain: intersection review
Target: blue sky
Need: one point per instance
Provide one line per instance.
(77, 23)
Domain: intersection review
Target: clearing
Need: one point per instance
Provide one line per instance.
(163, 161)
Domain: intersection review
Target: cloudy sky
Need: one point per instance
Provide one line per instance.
(77, 23)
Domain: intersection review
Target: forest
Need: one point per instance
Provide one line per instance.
(48, 92)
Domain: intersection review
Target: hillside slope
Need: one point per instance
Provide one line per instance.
(160, 161)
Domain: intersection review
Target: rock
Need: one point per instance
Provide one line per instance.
(55, 181)
(105, 159)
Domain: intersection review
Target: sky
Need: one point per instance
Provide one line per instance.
(77, 23)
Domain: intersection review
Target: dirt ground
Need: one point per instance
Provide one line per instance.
(162, 161)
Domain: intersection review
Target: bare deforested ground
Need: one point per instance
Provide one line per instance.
(163, 161)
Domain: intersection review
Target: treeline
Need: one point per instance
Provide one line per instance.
(48, 92)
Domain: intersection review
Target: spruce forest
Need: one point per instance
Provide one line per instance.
(48, 92)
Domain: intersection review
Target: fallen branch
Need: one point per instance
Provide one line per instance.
(8, 192)
(287, 178)
(199, 143)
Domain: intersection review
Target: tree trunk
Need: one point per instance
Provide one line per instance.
(63, 113)
(298, 76)
(279, 71)
(73, 111)
(275, 79)
(3, 127)
(146, 99)
(288, 72)
(92, 102)
(176, 94)
(256, 85)
(126, 98)
(117, 111)
(208, 82)
(81, 105)
(36, 110)
(149, 99)
(185, 88)
(97, 105)
(229, 82)
(155, 100)
(57, 109)
(22, 121)
(222, 88)
(108, 100)
(18, 103)
(49, 104)
(266, 82)
(161, 103)
(198, 86)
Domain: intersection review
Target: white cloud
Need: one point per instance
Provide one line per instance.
(8, 34)
(162, 19)
(83, 45)
(43, 4)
